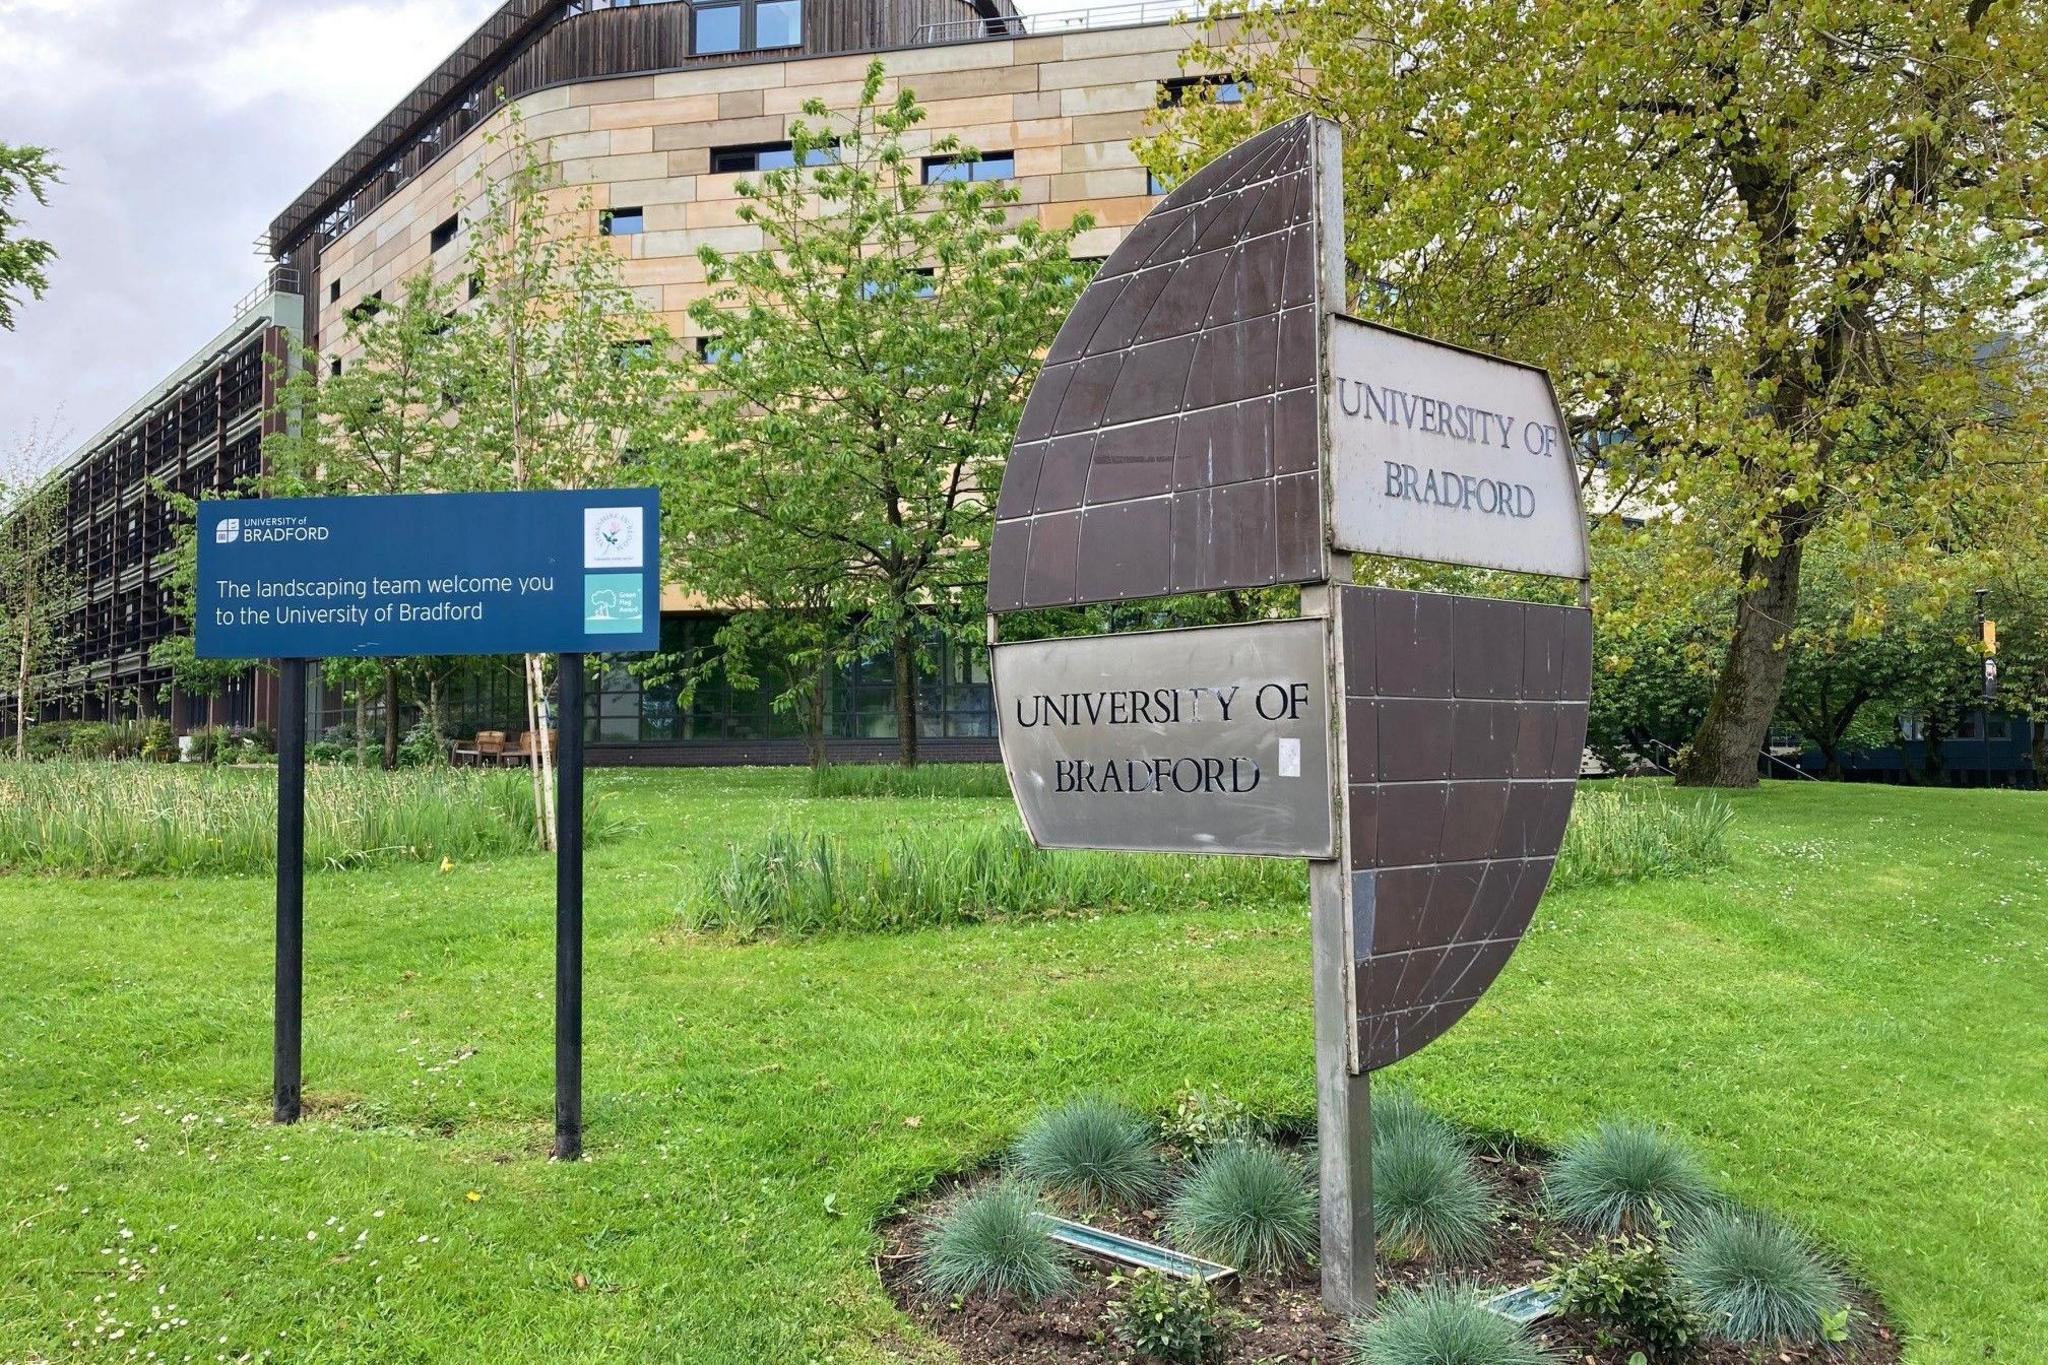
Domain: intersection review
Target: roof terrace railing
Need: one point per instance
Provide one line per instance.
(281, 279)
(1130, 14)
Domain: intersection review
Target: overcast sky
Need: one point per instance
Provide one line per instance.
(183, 127)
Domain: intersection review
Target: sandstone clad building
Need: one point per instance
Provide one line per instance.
(657, 107)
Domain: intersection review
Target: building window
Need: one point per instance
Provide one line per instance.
(443, 234)
(710, 351)
(476, 284)
(334, 367)
(990, 166)
(1154, 185)
(746, 25)
(622, 222)
(767, 156)
(368, 308)
(1215, 89)
(334, 291)
(922, 284)
(628, 354)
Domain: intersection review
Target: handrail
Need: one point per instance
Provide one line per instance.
(1130, 14)
(1797, 771)
(281, 279)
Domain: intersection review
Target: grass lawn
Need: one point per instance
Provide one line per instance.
(1851, 1022)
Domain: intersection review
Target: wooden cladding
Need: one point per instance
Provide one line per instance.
(529, 45)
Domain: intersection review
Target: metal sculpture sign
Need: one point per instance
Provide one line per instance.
(1196, 741)
(1207, 420)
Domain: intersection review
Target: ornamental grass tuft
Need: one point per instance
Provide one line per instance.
(1628, 1176)
(1092, 1150)
(992, 1242)
(1249, 1204)
(1443, 1325)
(1756, 1280)
(1629, 833)
(1427, 1199)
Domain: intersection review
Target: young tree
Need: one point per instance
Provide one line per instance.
(870, 365)
(178, 654)
(559, 375)
(380, 426)
(35, 583)
(24, 260)
(1783, 244)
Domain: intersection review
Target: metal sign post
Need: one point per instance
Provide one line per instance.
(1206, 421)
(389, 577)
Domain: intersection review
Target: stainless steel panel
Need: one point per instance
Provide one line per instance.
(1213, 740)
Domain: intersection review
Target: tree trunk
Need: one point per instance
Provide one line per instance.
(2037, 750)
(904, 647)
(362, 728)
(814, 712)
(1931, 763)
(390, 717)
(1738, 719)
(21, 699)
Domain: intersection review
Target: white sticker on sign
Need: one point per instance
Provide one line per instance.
(1290, 758)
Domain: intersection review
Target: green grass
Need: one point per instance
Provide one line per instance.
(1621, 831)
(925, 780)
(86, 816)
(1845, 1023)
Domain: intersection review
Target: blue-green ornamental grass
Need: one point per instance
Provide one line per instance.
(1092, 1150)
(1628, 1176)
(1426, 1197)
(1248, 1204)
(1396, 1111)
(992, 1242)
(1756, 1280)
(1443, 1325)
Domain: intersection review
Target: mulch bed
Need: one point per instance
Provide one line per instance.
(1283, 1315)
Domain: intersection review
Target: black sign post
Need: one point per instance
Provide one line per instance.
(569, 915)
(291, 889)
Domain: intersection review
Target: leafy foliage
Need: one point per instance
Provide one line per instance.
(24, 261)
(1249, 1204)
(847, 446)
(1628, 1176)
(1757, 1280)
(1202, 1120)
(1092, 1150)
(992, 1242)
(1426, 1197)
(1181, 1322)
(1626, 1284)
(1775, 255)
(1441, 1324)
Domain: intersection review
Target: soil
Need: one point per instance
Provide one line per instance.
(1281, 1317)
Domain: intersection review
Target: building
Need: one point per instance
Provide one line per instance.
(658, 107)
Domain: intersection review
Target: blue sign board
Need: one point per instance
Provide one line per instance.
(429, 573)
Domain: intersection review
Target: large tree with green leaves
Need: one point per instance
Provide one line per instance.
(36, 585)
(870, 365)
(1790, 247)
(24, 260)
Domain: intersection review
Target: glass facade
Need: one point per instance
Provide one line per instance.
(953, 697)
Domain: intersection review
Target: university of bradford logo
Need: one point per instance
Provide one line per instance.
(227, 531)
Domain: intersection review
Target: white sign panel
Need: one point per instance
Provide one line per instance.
(1444, 454)
(1213, 740)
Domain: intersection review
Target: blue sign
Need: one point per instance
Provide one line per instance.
(429, 573)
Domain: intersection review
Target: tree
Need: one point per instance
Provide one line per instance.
(179, 654)
(1782, 244)
(24, 260)
(870, 365)
(558, 375)
(36, 585)
(1850, 670)
(379, 427)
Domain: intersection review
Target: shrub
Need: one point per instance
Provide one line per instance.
(983, 780)
(1630, 833)
(1093, 1150)
(992, 1242)
(210, 744)
(159, 741)
(1627, 1176)
(1626, 1285)
(1443, 1325)
(799, 883)
(1426, 1196)
(1201, 1122)
(1157, 1317)
(421, 747)
(1247, 1203)
(1756, 1280)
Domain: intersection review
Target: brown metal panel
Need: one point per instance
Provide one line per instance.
(1189, 318)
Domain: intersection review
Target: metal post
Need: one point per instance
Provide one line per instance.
(569, 914)
(291, 888)
(1343, 1105)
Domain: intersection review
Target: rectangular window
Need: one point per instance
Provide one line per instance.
(766, 156)
(476, 284)
(779, 23)
(334, 367)
(710, 351)
(628, 354)
(367, 308)
(1154, 185)
(990, 166)
(1216, 89)
(443, 234)
(716, 28)
(622, 222)
(334, 292)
